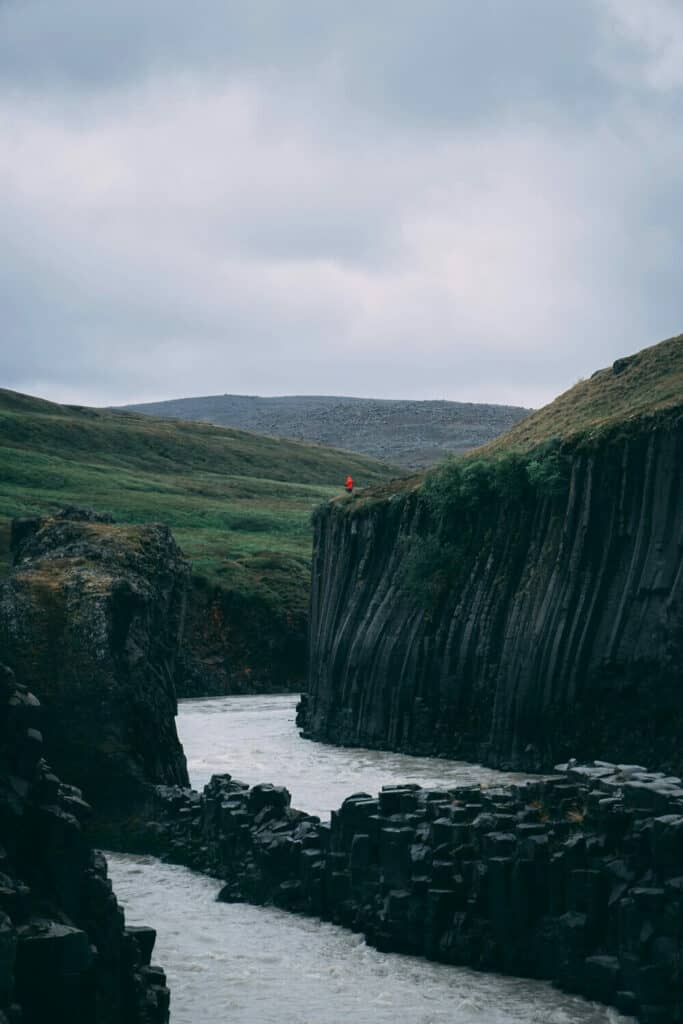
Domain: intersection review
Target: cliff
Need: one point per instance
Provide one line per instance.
(523, 605)
(244, 643)
(65, 953)
(91, 620)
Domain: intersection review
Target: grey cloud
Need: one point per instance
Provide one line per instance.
(432, 62)
(471, 200)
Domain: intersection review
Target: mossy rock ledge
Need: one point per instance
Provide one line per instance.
(91, 620)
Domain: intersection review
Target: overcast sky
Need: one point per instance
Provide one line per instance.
(478, 200)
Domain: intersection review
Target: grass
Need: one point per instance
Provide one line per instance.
(635, 388)
(457, 502)
(239, 504)
(628, 396)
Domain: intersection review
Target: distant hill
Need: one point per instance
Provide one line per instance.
(407, 433)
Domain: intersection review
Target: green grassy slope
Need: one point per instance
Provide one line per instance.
(626, 396)
(642, 385)
(238, 503)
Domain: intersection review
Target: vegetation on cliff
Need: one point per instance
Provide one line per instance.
(636, 392)
(534, 459)
(636, 389)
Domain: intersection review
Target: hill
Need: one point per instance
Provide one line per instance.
(408, 433)
(228, 495)
(622, 398)
(639, 386)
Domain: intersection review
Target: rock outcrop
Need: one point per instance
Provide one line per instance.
(65, 953)
(91, 620)
(559, 629)
(574, 878)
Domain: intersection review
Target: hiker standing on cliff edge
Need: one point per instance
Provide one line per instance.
(349, 484)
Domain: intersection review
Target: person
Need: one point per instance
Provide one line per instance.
(349, 484)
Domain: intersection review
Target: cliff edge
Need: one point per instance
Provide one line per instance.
(522, 605)
(91, 620)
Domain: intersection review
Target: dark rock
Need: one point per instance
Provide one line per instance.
(561, 631)
(237, 643)
(545, 900)
(64, 954)
(91, 618)
(145, 939)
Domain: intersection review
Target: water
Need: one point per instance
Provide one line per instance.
(236, 964)
(255, 739)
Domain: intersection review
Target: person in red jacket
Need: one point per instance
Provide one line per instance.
(349, 484)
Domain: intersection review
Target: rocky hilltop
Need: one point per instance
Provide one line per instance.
(91, 619)
(65, 953)
(521, 605)
(410, 434)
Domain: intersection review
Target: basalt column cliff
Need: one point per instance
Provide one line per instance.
(521, 606)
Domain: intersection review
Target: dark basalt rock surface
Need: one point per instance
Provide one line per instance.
(560, 631)
(577, 878)
(65, 953)
(237, 643)
(91, 620)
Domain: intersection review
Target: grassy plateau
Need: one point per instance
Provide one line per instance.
(239, 504)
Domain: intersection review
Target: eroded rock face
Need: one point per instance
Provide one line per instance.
(65, 954)
(91, 619)
(240, 644)
(561, 631)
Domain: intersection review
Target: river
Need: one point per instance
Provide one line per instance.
(236, 964)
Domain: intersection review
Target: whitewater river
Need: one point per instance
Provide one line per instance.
(235, 964)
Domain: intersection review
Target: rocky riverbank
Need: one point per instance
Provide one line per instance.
(575, 878)
(65, 953)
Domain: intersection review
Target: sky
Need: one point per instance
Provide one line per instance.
(478, 200)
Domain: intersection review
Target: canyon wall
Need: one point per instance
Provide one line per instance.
(65, 953)
(240, 643)
(559, 629)
(91, 619)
